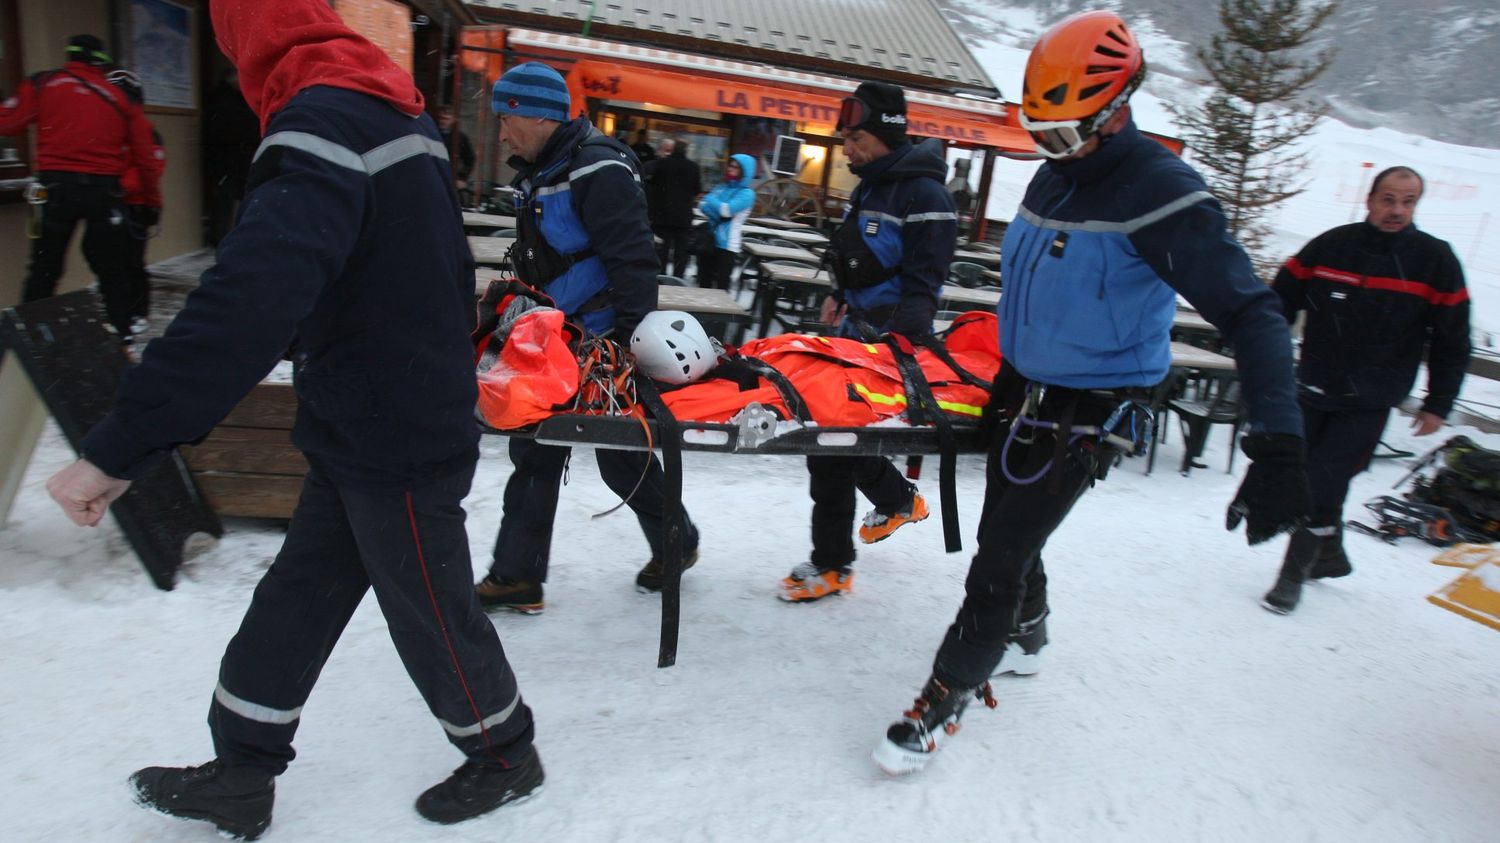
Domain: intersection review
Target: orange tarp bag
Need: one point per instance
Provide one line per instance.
(535, 375)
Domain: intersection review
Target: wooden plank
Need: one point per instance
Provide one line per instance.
(272, 405)
(243, 495)
(75, 365)
(249, 449)
(22, 415)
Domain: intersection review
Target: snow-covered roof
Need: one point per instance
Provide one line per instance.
(900, 36)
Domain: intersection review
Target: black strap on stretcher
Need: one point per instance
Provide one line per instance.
(784, 387)
(922, 408)
(670, 434)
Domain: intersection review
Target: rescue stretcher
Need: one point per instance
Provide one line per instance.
(927, 425)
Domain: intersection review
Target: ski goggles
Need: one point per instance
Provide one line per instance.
(1059, 138)
(852, 114)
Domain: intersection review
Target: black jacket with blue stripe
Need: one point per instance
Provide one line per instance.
(1092, 263)
(583, 196)
(350, 243)
(904, 217)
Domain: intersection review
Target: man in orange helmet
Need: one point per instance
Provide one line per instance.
(1111, 229)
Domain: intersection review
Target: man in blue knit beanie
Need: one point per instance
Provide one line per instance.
(582, 237)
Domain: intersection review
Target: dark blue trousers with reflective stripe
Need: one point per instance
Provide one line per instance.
(410, 547)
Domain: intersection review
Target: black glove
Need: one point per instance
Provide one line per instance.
(1275, 497)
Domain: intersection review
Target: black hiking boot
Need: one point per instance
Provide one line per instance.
(1332, 561)
(927, 725)
(1301, 553)
(476, 789)
(235, 799)
(650, 577)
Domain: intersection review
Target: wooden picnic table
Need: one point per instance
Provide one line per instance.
(716, 309)
(969, 296)
(801, 238)
(490, 250)
(763, 252)
(1192, 357)
(477, 223)
(1193, 322)
(777, 222)
(989, 260)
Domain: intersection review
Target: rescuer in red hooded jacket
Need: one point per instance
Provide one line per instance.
(350, 239)
(88, 133)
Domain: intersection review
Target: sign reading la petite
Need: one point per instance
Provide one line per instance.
(680, 90)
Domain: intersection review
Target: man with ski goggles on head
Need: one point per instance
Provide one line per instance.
(1112, 227)
(889, 259)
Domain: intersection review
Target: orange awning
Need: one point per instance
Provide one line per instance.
(758, 99)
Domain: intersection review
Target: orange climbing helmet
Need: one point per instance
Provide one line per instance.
(1079, 74)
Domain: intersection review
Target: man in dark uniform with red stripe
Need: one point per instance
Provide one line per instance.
(1376, 293)
(88, 133)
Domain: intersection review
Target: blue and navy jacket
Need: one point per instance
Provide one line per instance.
(584, 195)
(906, 219)
(1375, 300)
(1092, 264)
(728, 206)
(350, 241)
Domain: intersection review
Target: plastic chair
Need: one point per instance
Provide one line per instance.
(504, 232)
(1218, 402)
(966, 274)
(670, 281)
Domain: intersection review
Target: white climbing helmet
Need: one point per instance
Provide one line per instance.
(670, 346)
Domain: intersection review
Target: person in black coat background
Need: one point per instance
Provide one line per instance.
(1377, 294)
(673, 183)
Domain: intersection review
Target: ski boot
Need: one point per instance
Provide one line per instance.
(926, 726)
(807, 583)
(476, 789)
(878, 526)
(236, 799)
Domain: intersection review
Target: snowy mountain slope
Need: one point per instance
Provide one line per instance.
(1424, 68)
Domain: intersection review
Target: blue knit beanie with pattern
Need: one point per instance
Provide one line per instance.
(532, 90)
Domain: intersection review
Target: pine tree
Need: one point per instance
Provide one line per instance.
(1244, 136)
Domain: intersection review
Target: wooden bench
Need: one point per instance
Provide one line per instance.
(247, 466)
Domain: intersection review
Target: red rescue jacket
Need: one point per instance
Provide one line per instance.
(84, 124)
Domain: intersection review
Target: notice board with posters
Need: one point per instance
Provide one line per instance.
(162, 54)
(385, 22)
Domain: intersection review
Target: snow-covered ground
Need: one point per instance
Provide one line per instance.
(1170, 706)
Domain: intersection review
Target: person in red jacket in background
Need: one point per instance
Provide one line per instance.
(88, 133)
(142, 214)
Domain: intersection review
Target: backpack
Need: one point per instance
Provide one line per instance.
(1458, 501)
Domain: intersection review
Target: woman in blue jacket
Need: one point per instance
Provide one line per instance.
(726, 206)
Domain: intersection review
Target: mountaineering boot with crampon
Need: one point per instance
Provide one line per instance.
(1023, 653)
(650, 577)
(927, 725)
(807, 582)
(476, 789)
(235, 799)
(1301, 552)
(878, 525)
(517, 595)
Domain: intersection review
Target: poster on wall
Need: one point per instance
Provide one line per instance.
(161, 48)
(386, 23)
